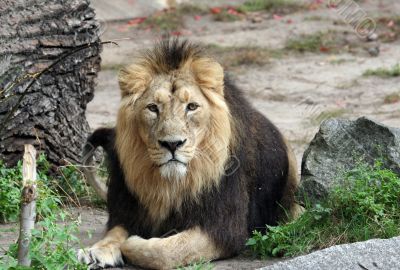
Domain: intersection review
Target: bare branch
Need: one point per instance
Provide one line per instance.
(28, 204)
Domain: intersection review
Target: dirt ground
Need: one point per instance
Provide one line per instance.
(296, 90)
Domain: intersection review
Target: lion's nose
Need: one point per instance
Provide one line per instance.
(172, 145)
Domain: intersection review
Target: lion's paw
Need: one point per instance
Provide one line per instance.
(101, 257)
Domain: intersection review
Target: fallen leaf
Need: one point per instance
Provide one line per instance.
(277, 17)
(232, 11)
(215, 10)
(176, 33)
(197, 17)
(136, 21)
(324, 49)
(390, 24)
(340, 103)
(313, 6)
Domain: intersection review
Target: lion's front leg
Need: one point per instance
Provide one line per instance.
(106, 252)
(166, 253)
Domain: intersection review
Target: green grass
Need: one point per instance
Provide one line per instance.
(173, 19)
(314, 18)
(392, 98)
(339, 61)
(226, 16)
(232, 56)
(366, 205)
(394, 71)
(318, 42)
(191, 9)
(198, 266)
(166, 20)
(53, 243)
(275, 6)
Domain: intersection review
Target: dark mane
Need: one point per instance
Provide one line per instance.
(171, 54)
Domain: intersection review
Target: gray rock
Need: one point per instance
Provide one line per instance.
(373, 254)
(339, 145)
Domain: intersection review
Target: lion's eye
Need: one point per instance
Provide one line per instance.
(192, 106)
(152, 107)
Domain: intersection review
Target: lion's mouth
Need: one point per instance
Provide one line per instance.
(172, 160)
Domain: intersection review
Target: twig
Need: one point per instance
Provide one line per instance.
(28, 204)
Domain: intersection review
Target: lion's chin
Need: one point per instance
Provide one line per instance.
(173, 170)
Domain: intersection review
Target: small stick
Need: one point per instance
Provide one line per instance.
(28, 204)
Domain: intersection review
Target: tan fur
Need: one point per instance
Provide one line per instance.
(213, 137)
(116, 235)
(105, 252)
(167, 253)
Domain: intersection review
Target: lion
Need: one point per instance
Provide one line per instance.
(194, 168)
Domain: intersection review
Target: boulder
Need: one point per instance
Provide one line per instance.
(339, 145)
(371, 254)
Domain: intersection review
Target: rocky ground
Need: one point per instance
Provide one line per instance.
(298, 66)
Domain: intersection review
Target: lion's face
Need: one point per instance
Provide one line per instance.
(174, 130)
(173, 117)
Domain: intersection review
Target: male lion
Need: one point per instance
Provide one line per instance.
(194, 169)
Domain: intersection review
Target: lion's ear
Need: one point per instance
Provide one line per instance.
(209, 74)
(133, 80)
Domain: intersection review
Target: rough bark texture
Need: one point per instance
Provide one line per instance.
(51, 116)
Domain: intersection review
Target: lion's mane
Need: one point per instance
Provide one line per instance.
(245, 174)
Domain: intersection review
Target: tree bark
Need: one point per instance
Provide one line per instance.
(51, 113)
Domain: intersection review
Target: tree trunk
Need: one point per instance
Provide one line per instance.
(51, 114)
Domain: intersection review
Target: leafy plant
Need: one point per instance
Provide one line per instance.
(53, 240)
(10, 193)
(68, 185)
(69, 182)
(10, 179)
(366, 205)
(52, 245)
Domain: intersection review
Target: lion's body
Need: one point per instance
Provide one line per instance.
(258, 179)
